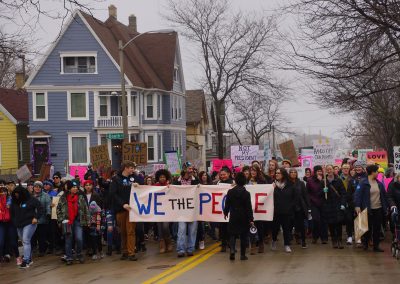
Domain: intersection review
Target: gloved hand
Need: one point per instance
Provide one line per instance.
(342, 207)
(325, 190)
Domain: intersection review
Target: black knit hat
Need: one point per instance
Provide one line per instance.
(317, 168)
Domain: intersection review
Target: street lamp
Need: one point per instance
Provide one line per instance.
(121, 48)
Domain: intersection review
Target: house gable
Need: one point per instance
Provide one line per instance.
(76, 38)
(8, 143)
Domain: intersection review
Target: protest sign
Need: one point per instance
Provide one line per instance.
(378, 157)
(99, 157)
(135, 151)
(23, 173)
(218, 164)
(362, 154)
(323, 154)
(244, 154)
(306, 161)
(396, 156)
(78, 170)
(289, 152)
(190, 203)
(54, 202)
(173, 162)
(307, 152)
(267, 153)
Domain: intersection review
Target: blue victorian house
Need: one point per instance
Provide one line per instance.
(74, 93)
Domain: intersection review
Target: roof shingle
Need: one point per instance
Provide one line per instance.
(195, 106)
(16, 103)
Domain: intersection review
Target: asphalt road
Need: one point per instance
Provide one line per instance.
(317, 264)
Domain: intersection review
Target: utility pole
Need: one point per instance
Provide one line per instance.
(273, 141)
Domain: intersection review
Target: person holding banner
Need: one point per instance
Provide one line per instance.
(370, 194)
(315, 186)
(120, 189)
(186, 244)
(163, 178)
(334, 206)
(239, 209)
(302, 206)
(284, 202)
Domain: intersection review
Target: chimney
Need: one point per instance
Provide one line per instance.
(112, 11)
(19, 80)
(132, 23)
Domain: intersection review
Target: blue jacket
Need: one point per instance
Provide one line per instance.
(362, 196)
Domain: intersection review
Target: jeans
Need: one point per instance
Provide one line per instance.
(77, 232)
(285, 222)
(25, 234)
(188, 244)
(320, 228)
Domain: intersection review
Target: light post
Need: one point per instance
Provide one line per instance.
(121, 48)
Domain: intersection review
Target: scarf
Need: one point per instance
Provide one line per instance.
(72, 207)
(280, 185)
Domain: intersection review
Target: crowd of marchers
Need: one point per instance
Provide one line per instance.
(77, 219)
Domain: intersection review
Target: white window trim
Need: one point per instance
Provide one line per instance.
(180, 108)
(69, 105)
(159, 107)
(21, 158)
(78, 134)
(78, 54)
(155, 141)
(136, 95)
(108, 106)
(154, 117)
(34, 106)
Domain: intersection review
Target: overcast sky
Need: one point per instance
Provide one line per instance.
(302, 113)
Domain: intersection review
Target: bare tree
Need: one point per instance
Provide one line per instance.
(235, 48)
(253, 115)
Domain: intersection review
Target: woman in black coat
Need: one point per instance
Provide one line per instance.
(334, 206)
(302, 206)
(238, 207)
(285, 197)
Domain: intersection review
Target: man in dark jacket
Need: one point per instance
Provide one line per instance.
(120, 189)
(238, 206)
(370, 194)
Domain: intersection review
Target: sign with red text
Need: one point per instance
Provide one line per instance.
(378, 157)
(218, 164)
(188, 203)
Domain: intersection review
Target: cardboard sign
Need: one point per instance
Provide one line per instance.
(396, 156)
(378, 157)
(289, 152)
(324, 154)
(244, 154)
(362, 154)
(44, 172)
(190, 203)
(218, 164)
(173, 162)
(23, 173)
(135, 151)
(99, 157)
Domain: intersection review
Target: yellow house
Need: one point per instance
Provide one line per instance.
(196, 128)
(14, 145)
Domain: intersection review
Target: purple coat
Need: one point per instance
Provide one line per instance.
(315, 190)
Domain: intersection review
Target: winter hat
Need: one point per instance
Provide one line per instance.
(381, 170)
(57, 174)
(47, 182)
(88, 181)
(359, 163)
(72, 183)
(287, 161)
(317, 168)
(38, 183)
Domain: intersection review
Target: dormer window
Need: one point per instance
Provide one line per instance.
(176, 74)
(78, 63)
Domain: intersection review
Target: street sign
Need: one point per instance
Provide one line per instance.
(115, 136)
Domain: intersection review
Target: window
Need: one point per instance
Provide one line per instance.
(149, 106)
(103, 140)
(176, 74)
(134, 105)
(150, 148)
(103, 106)
(72, 64)
(78, 148)
(78, 106)
(159, 106)
(20, 156)
(39, 106)
(180, 108)
(159, 147)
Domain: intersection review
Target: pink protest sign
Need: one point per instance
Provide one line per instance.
(78, 170)
(218, 164)
(306, 161)
(387, 181)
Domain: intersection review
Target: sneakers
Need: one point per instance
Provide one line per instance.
(202, 245)
(24, 265)
(288, 249)
(94, 257)
(303, 245)
(349, 241)
(273, 245)
(181, 254)
(132, 258)
(81, 259)
(19, 260)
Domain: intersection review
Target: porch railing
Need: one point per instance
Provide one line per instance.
(115, 121)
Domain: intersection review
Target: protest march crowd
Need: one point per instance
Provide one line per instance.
(90, 218)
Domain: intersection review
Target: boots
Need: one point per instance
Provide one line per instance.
(168, 245)
(162, 246)
(253, 249)
(261, 247)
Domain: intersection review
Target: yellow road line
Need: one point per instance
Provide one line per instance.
(181, 266)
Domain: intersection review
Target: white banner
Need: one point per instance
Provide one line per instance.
(244, 154)
(194, 203)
